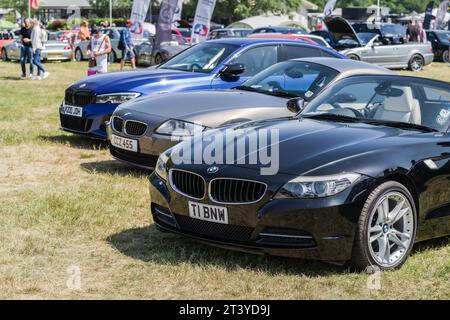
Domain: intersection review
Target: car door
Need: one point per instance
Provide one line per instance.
(378, 53)
(255, 60)
(14, 50)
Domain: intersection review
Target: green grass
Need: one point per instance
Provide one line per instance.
(65, 203)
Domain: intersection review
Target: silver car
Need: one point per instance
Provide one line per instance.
(141, 129)
(115, 54)
(54, 50)
(370, 47)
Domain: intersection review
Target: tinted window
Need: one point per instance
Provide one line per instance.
(203, 57)
(293, 52)
(292, 78)
(257, 59)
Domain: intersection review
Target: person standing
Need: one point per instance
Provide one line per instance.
(412, 32)
(422, 33)
(26, 51)
(126, 46)
(84, 31)
(98, 48)
(38, 39)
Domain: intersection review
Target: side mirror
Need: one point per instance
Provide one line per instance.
(295, 105)
(232, 70)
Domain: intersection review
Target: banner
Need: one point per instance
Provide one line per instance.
(440, 15)
(202, 20)
(138, 14)
(177, 13)
(34, 4)
(329, 7)
(428, 15)
(164, 25)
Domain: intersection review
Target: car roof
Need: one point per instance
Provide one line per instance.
(348, 67)
(250, 41)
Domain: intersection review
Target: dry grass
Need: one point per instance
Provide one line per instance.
(64, 203)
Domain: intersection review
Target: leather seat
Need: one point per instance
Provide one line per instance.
(404, 108)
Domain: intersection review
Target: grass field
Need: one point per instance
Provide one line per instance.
(68, 210)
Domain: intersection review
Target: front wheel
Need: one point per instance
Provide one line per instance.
(78, 55)
(445, 57)
(112, 57)
(416, 63)
(386, 228)
(353, 57)
(4, 55)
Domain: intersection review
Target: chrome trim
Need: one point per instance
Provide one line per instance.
(125, 127)
(283, 235)
(225, 178)
(163, 213)
(182, 193)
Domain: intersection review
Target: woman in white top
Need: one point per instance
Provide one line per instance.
(99, 47)
(38, 39)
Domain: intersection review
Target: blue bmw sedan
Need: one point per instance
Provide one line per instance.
(218, 64)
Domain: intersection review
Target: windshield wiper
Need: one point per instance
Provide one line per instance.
(331, 117)
(272, 93)
(247, 88)
(402, 125)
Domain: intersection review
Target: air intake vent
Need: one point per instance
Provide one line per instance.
(225, 190)
(78, 98)
(135, 128)
(117, 124)
(188, 183)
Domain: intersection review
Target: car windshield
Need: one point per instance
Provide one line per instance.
(291, 79)
(404, 102)
(365, 37)
(203, 57)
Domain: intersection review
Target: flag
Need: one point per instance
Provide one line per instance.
(202, 20)
(18, 17)
(164, 25)
(440, 15)
(177, 13)
(329, 7)
(138, 14)
(34, 4)
(428, 15)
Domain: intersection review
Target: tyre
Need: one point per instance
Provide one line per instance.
(4, 55)
(112, 57)
(78, 55)
(386, 228)
(445, 57)
(416, 63)
(158, 59)
(353, 57)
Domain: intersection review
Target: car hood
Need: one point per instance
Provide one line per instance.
(209, 108)
(339, 27)
(133, 80)
(317, 147)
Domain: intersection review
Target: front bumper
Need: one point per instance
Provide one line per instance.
(92, 123)
(319, 229)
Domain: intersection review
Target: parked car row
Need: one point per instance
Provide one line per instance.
(361, 156)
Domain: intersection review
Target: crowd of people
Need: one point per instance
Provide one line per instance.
(415, 32)
(33, 39)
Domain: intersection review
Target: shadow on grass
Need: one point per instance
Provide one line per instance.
(11, 78)
(114, 167)
(149, 244)
(76, 141)
(430, 244)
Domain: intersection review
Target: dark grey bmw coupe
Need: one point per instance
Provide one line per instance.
(358, 176)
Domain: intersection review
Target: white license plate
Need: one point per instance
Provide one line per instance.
(72, 110)
(124, 143)
(207, 212)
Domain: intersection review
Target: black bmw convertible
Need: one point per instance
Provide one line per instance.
(357, 176)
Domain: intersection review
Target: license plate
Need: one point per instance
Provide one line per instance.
(124, 143)
(207, 212)
(72, 110)
(54, 54)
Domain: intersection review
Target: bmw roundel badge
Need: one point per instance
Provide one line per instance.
(212, 169)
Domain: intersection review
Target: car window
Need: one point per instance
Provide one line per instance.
(257, 59)
(293, 52)
(295, 78)
(203, 57)
(387, 99)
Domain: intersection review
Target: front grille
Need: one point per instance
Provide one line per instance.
(78, 98)
(135, 128)
(188, 183)
(75, 123)
(140, 159)
(118, 124)
(214, 230)
(236, 190)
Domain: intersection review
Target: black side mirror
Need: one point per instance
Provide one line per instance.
(295, 105)
(232, 70)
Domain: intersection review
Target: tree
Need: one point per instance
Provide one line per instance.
(121, 8)
(396, 6)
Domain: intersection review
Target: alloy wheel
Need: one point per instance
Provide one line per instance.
(416, 64)
(391, 229)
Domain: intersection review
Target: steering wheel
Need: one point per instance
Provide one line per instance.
(339, 108)
(275, 85)
(196, 66)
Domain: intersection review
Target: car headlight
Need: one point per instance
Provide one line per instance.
(117, 98)
(317, 187)
(179, 128)
(161, 166)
